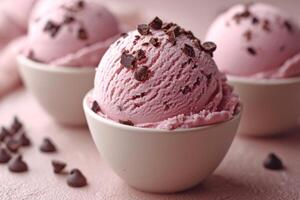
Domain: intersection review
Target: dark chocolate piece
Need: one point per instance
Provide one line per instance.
(251, 51)
(58, 166)
(188, 50)
(143, 29)
(248, 35)
(128, 60)
(17, 165)
(272, 162)
(126, 122)
(82, 34)
(4, 133)
(141, 54)
(156, 23)
(76, 179)
(209, 47)
(24, 140)
(68, 19)
(142, 73)
(4, 155)
(154, 42)
(16, 125)
(95, 107)
(13, 145)
(52, 28)
(47, 146)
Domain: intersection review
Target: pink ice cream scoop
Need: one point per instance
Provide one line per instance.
(161, 76)
(256, 40)
(71, 33)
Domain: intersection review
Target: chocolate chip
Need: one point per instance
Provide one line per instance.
(186, 90)
(188, 50)
(4, 133)
(52, 28)
(95, 107)
(197, 44)
(173, 32)
(142, 73)
(68, 19)
(154, 42)
(190, 35)
(82, 34)
(4, 155)
(124, 35)
(255, 20)
(248, 35)
(13, 145)
(126, 122)
(145, 44)
(76, 179)
(209, 47)
(156, 23)
(251, 51)
(16, 125)
(23, 140)
(288, 26)
(58, 166)
(141, 54)
(166, 26)
(272, 162)
(80, 4)
(47, 146)
(128, 60)
(266, 26)
(17, 165)
(143, 29)
(239, 16)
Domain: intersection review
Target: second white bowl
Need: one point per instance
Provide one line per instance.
(271, 106)
(59, 90)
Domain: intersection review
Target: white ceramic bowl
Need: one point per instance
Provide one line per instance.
(271, 106)
(59, 90)
(161, 161)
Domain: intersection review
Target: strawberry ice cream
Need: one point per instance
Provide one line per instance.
(256, 40)
(72, 33)
(161, 76)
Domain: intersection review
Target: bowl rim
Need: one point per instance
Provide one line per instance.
(264, 81)
(132, 129)
(24, 61)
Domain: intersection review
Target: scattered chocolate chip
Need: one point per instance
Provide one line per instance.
(23, 140)
(58, 166)
(76, 179)
(156, 23)
(209, 47)
(154, 42)
(142, 73)
(126, 122)
(288, 26)
(68, 19)
(186, 90)
(17, 165)
(13, 145)
(52, 28)
(80, 4)
(128, 60)
(137, 37)
(243, 15)
(4, 133)
(188, 50)
(16, 125)
(82, 34)
(141, 54)
(255, 20)
(251, 51)
(145, 44)
(190, 35)
(266, 26)
(272, 162)
(248, 35)
(143, 29)
(197, 44)
(172, 33)
(47, 146)
(4, 155)
(166, 26)
(124, 35)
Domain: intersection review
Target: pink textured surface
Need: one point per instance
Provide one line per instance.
(66, 48)
(240, 176)
(180, 92)
(272, 59)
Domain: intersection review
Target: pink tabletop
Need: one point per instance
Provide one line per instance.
(240, 176)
